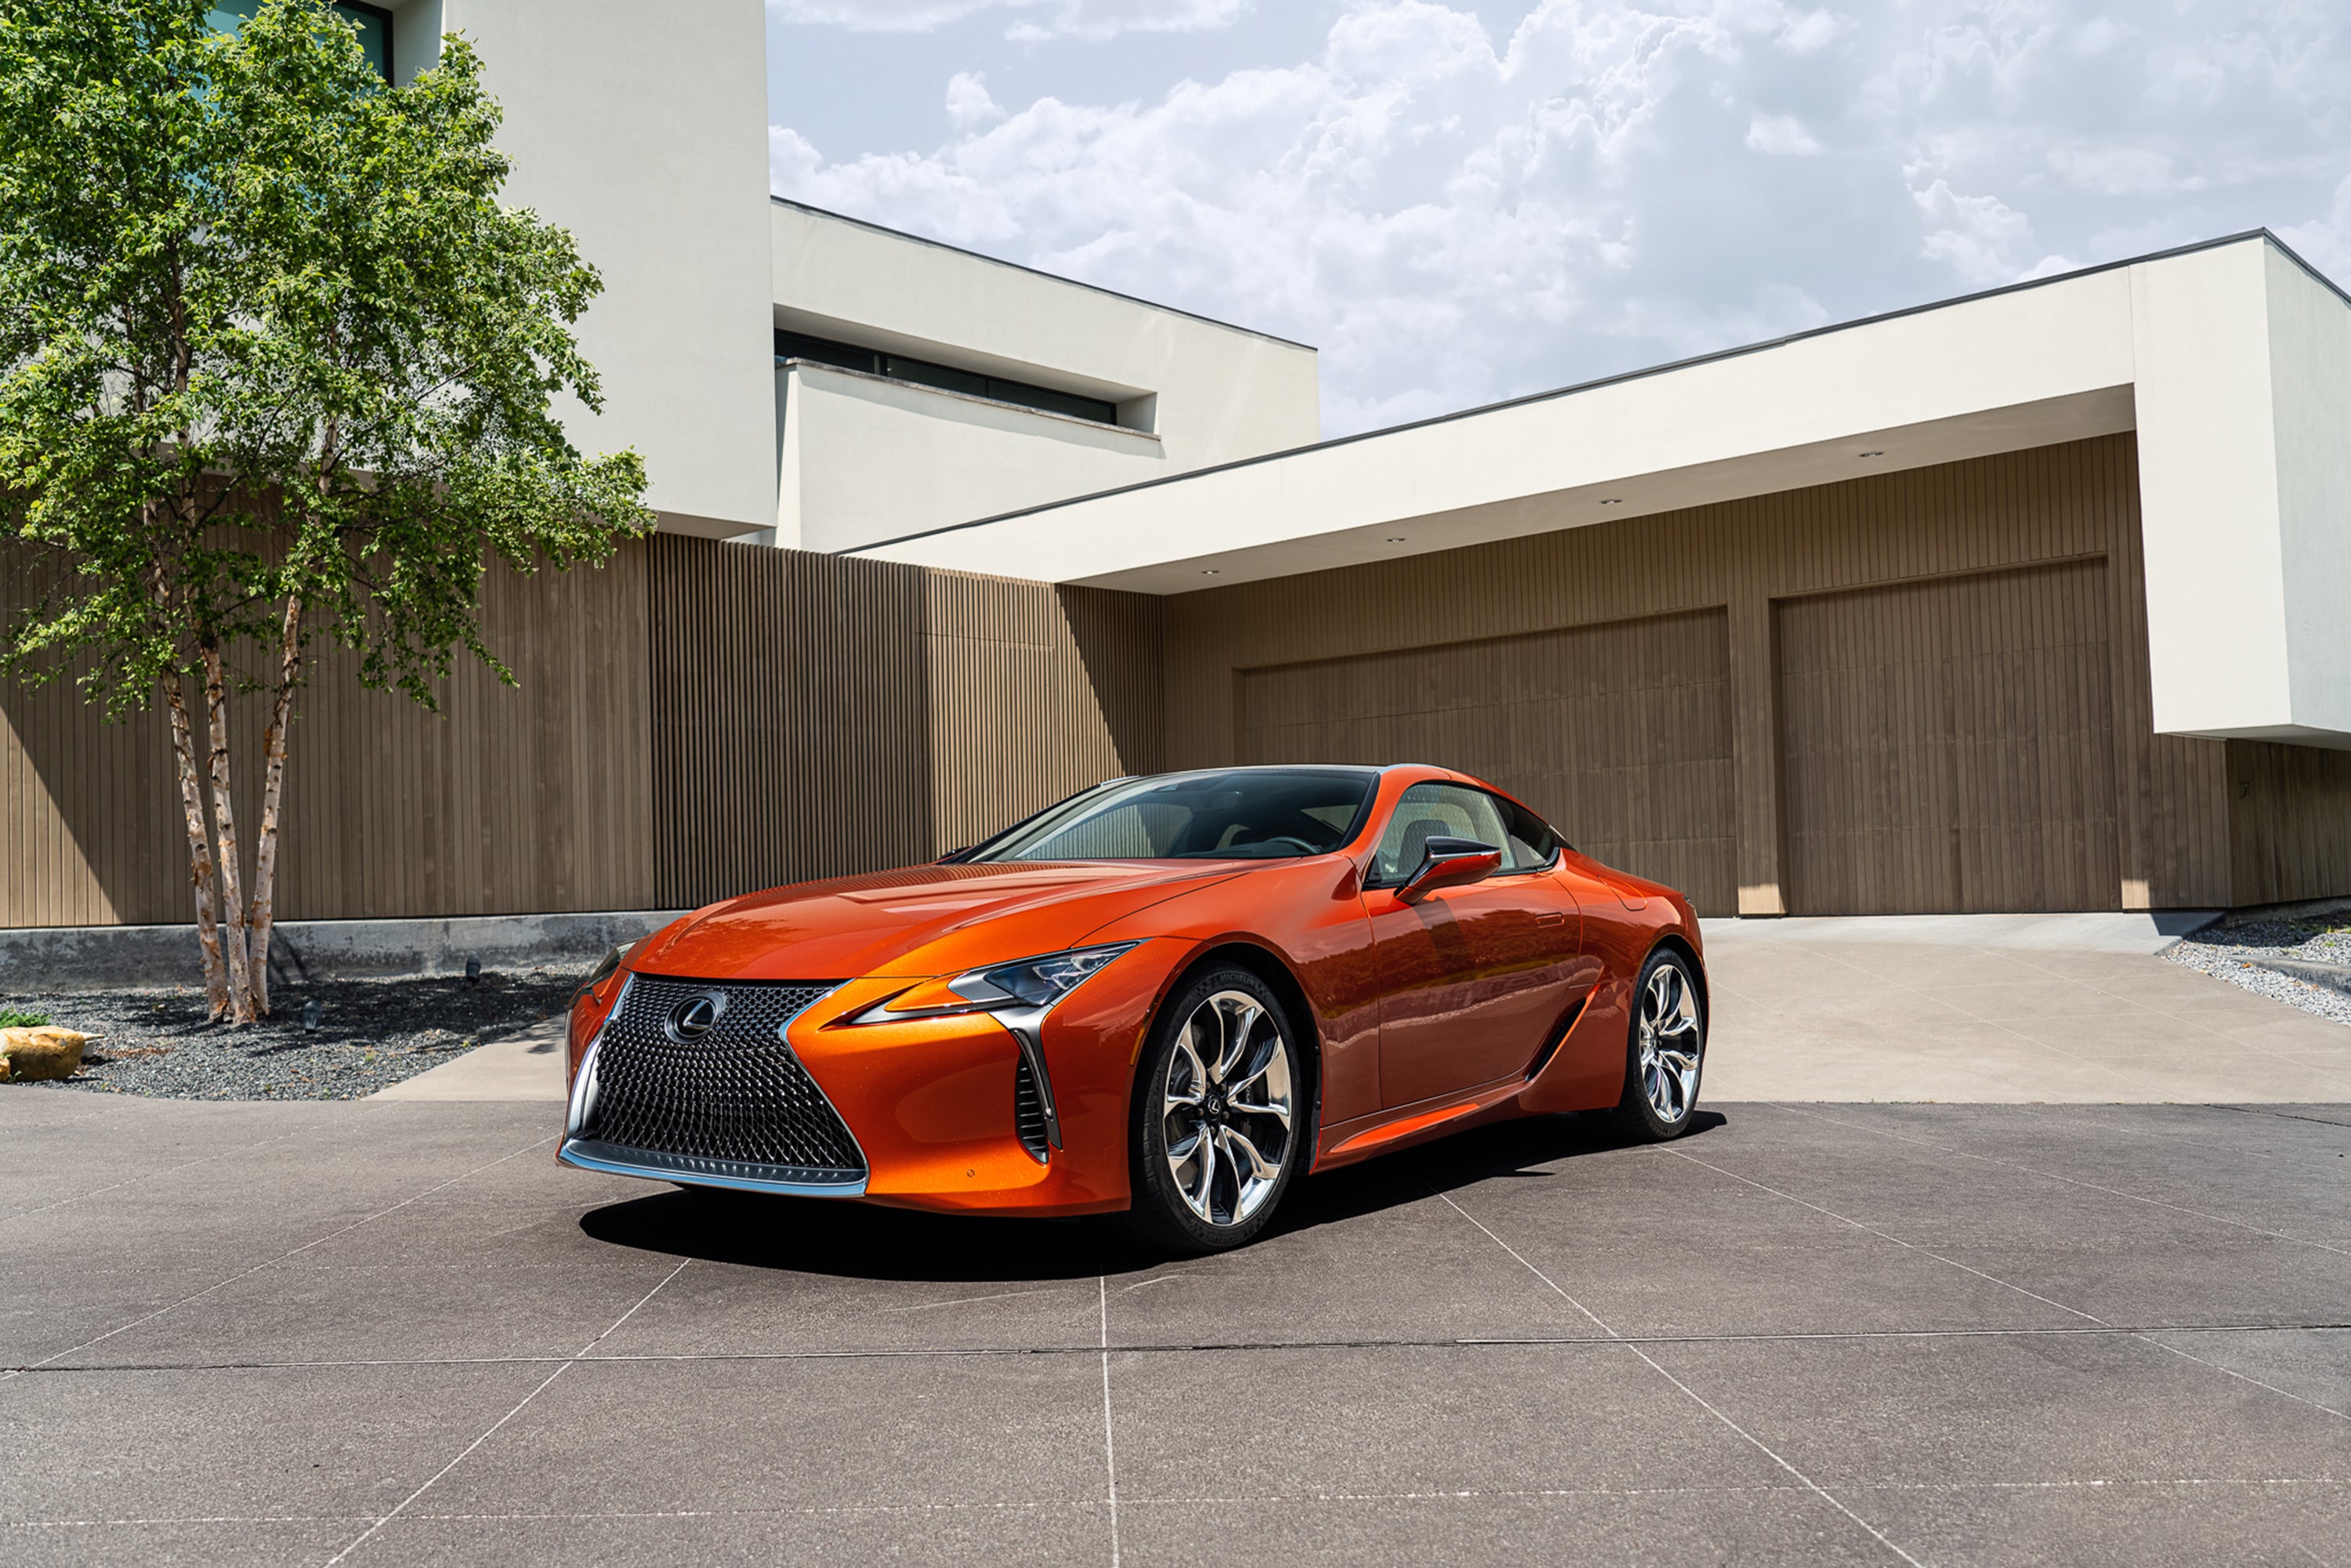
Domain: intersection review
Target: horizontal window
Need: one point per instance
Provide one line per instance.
(923, 372)
(373, 23)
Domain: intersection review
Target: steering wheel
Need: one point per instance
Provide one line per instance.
(1303, 847)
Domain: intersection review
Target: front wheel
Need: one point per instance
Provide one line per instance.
(1665, 1052)
(1218, 1129)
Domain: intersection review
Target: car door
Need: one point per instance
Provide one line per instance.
(1471, 978)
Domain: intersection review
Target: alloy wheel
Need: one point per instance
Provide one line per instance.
(1671, 1043)
(1226, 1106)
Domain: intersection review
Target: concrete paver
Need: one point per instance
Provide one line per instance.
(1805, 1334)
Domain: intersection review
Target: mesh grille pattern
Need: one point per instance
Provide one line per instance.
(1027, 1109)
(738, 1095)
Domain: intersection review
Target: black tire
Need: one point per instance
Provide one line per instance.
(1164, 1216)
(1669, 1007)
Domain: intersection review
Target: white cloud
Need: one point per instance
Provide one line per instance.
(1780, 135)
(1028, 19)
(1455, 214)
(968, 104)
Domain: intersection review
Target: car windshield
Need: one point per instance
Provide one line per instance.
(1250, 813)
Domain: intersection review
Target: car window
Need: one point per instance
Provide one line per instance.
(1457, 812)
(1247, 813)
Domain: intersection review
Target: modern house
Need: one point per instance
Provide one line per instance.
(2039, 599)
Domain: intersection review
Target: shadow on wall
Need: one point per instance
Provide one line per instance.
(819, 715)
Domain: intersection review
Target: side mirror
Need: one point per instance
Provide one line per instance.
(1450, 863)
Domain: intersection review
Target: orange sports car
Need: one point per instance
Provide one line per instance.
(1171, 996)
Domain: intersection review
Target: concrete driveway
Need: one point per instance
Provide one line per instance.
(394, 1332)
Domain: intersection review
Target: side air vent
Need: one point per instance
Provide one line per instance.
(1555, 1038)
(1029, 1111)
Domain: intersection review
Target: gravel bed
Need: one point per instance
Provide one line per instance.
(154, 1040)
(2231, 950)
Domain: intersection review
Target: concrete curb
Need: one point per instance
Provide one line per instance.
(101, 958)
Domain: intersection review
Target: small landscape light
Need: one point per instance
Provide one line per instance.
(312, 1011)
(1873, 454)
(472, 971)
(1613, 501)
(1208, 571)
(1395, 538)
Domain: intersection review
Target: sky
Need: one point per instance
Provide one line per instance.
(1461, 203)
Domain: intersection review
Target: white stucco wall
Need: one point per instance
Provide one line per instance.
(1207, 391)
(863, 454)
(2310, 397)
(644, 132)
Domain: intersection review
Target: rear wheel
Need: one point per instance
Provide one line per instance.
(1219, 1127)
(1666, 1051)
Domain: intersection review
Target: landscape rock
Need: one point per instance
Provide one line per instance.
(27, 1054)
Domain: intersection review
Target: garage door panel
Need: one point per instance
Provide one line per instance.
(1620, 734)
(1949, 745)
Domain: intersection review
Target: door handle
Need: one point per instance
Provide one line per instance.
(1550, 917)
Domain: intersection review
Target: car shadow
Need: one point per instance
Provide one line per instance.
(869, 1241)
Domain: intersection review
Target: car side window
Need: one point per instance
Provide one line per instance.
(1456, 811)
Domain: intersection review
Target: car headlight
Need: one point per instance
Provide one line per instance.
(1023, 984)
(606, 967)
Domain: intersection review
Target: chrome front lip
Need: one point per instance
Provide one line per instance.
(742, 1176)
(587, 1154)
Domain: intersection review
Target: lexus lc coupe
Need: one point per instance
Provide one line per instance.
(1168, 997)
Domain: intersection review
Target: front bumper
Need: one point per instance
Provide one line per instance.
(936, 1109)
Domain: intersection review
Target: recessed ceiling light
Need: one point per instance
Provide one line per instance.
(1613, 501)
(1209, 572)
(1395, 538)
(1873, 454)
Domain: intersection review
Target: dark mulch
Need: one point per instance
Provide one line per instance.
(371, 1033)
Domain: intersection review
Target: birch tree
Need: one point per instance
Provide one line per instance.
(276, 366)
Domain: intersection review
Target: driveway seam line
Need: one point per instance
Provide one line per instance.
(1659, 1368)
(1953, 1262)
(1458, 1342)
(272, 1262)
(2070, 1181)
(369, 1533)
(1110, 1428)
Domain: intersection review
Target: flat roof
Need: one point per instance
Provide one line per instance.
(1621, 378)
(1035, 272)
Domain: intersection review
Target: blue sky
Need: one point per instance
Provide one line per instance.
(1460, 203)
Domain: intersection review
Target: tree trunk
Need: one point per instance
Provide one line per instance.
(240, 986)
(200, 846)
(273, 783)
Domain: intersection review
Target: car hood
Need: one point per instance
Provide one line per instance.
(916, 922)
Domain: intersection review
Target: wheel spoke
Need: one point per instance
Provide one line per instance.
(1279, 1113)
(1237, 1030)
(1259, 1167)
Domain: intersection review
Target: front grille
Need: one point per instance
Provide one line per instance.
(734, 1100)
(1029, 1110)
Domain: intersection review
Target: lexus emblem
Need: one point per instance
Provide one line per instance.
(695, 1017)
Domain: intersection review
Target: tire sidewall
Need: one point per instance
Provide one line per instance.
(1634, 1110)
(1159, 1214)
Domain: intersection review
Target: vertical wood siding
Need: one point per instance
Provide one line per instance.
(818, 715)
(512, 799)
(1947, 744)
(1620, 734)
(1743, 562)
(698, 719)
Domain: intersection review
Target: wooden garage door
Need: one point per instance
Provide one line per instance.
(1947, 744)
(1619, 734)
